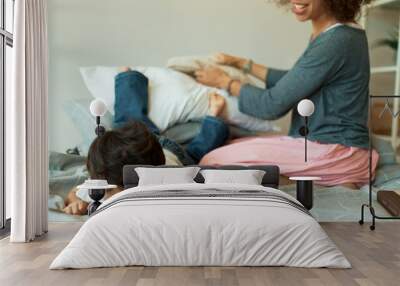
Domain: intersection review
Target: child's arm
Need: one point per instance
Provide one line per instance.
(74, 205)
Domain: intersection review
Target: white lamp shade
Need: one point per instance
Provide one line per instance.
(306, 108)
(98, 108)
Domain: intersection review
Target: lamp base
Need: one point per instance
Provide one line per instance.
(96, 195)
(304, 190)
(93, 206)
(305, 193)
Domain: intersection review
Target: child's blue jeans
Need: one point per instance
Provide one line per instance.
(131, 103)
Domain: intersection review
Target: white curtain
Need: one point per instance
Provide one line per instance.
(26, 135)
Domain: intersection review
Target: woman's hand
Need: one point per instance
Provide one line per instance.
(228, 60)
(214, 77)
(257, 70)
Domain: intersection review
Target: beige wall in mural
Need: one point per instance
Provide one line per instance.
(138, 32)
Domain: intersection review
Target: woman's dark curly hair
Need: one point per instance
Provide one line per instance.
(343, 10)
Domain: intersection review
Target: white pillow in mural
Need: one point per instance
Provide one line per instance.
(173, 97)
(191, 64)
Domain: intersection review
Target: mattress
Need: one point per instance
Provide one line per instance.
(201, 225)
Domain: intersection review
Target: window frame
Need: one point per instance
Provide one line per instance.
(6, 39)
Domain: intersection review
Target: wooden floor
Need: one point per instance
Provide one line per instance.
(375, 257)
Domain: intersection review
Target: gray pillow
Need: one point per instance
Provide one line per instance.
(183, 133)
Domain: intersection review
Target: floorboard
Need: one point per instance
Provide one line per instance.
(375, 257)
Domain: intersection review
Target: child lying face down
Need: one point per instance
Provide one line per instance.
(137, 141)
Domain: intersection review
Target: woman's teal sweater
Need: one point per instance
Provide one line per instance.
(334, 73)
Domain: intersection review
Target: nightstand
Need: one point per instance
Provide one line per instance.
(304, 190)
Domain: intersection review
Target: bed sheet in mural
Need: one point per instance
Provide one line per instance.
(330, 203)
(65, 172)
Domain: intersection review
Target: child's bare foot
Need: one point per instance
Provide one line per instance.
(216, 104)
(124, 69)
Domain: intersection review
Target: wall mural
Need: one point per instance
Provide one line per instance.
(170, 85)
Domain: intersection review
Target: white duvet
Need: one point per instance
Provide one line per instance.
(200, 231)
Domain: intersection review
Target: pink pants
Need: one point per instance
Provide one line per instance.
(335, 164)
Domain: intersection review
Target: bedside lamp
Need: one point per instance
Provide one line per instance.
(305, 108)
(96, 188)
(304, 185)
(98, 109)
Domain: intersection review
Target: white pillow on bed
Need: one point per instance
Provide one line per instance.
(166, 176)
(245, 177)
(174, 97)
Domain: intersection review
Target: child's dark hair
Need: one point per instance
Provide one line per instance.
(133, 144)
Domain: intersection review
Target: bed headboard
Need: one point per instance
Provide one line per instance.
(271, 178)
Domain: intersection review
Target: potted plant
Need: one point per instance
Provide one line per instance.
(392, 41)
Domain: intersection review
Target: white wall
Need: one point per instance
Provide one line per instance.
(139, 32)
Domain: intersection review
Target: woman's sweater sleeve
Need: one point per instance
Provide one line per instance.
(273, 76)
(316, 67)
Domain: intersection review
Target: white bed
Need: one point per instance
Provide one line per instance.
(201, 225)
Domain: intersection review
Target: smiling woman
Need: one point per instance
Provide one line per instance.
(342, 10)
(331, 75)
